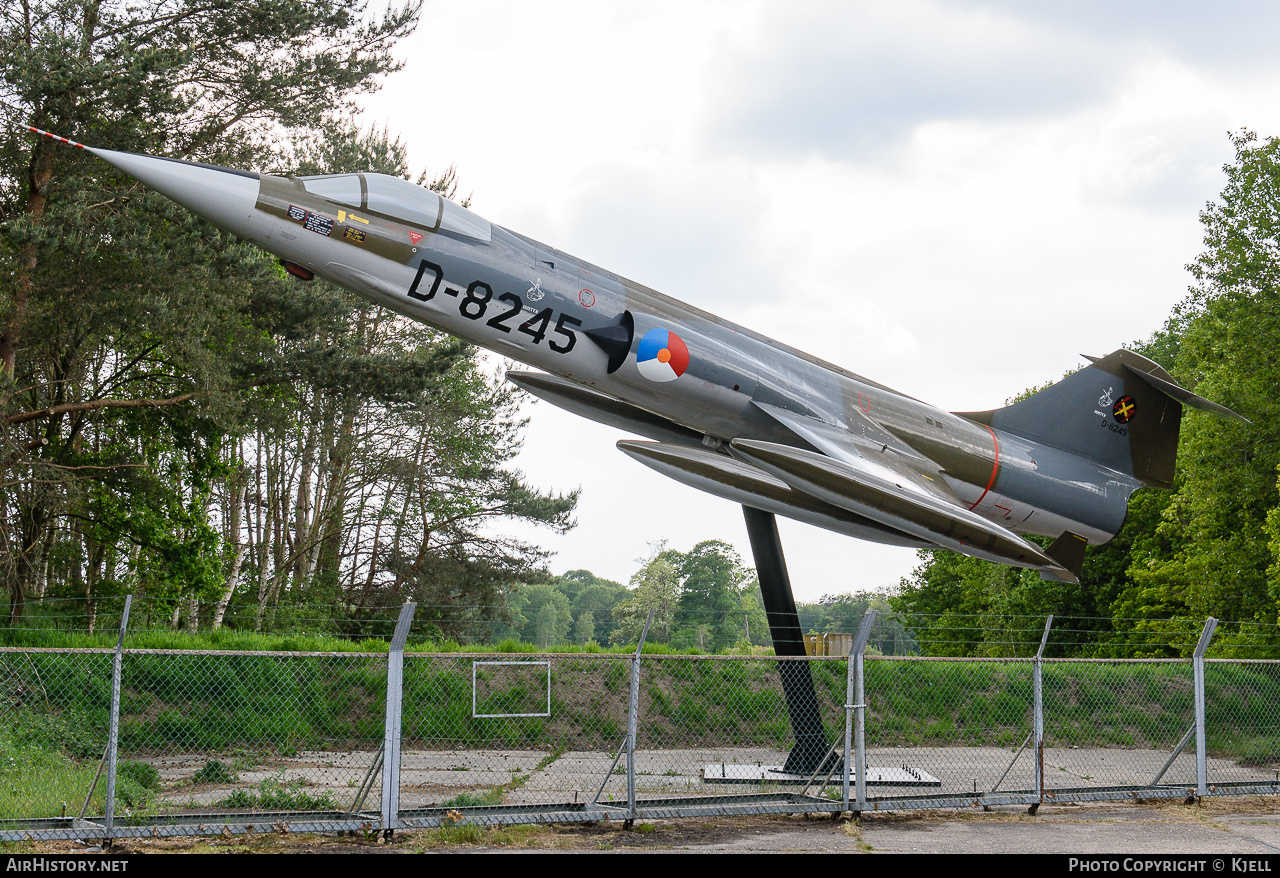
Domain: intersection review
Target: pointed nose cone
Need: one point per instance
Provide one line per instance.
(223, 196)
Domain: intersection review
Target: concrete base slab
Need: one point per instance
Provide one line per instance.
(539, 776)
(722, 772)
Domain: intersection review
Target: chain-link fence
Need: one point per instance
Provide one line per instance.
(62, 696)
(293, 736)
(165, 742)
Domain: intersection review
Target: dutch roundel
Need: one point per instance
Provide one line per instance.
(662, 355)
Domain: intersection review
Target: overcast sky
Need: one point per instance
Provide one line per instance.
(955, 199)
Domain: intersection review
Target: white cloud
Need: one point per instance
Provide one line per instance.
(856, 81)
(954, 199)
(1232, 35)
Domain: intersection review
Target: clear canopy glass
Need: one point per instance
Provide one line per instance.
(400, 200)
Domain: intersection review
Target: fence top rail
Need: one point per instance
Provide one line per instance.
(520, 656)
(613, 656)
(73, 650)
(951, 658)
(250, 653)
(607, 656)
(1117, 661)
(1048, 661)
(747, 658)
(462, 656)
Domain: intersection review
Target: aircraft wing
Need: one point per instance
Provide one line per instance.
(891, 485)
(860, 480)
(725, 476)
(865, 440)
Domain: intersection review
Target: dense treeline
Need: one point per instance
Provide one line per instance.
(181, 420)
(1210, 547)
(704, 600)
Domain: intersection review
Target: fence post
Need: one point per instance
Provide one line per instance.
(113, 733)
(633, 711)
(1037, 713)
(854, 699)
(1197, 669)
(391, 733)
(848, 726)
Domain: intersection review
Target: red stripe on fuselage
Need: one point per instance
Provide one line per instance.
(995, 468)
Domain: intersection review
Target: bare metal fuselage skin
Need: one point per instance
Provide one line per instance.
(1007, 479)
(737, 414)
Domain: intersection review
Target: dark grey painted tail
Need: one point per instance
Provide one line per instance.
(1122, 411)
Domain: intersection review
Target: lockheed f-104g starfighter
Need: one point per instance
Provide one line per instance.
(723, 409)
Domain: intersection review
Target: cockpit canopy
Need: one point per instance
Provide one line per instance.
(398, 199)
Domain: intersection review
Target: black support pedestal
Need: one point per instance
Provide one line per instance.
(788, 640)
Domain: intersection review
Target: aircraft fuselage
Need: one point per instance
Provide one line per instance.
(532, 303)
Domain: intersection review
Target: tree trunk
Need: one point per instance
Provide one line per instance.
(39, 171)
(232, 579)
(237, 505)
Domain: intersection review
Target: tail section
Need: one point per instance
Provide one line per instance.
(1123, 411)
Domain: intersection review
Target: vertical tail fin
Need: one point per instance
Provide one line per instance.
(1123, 411)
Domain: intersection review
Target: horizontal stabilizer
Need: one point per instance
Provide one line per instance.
(603, 409)
(1186, 397)
(724, 476)
(899, 499)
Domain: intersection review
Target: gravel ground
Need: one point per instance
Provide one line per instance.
(1214, 826)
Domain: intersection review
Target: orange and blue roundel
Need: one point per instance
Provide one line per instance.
(662, 355)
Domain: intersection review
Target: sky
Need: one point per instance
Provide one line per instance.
(955, 199)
